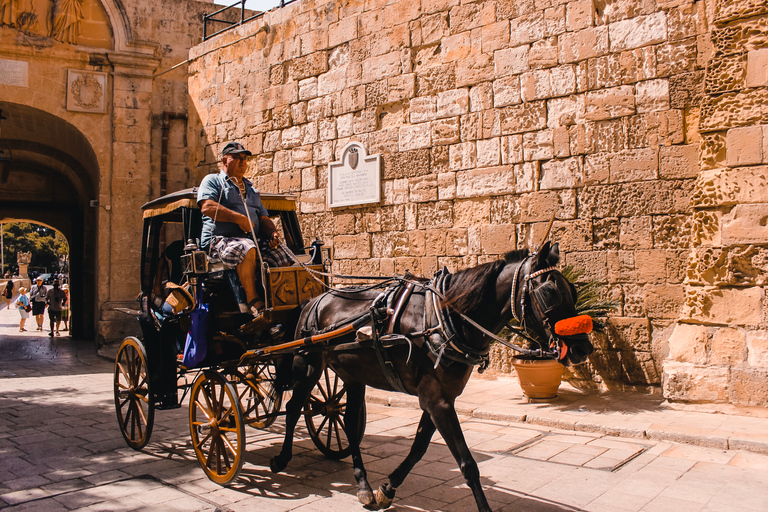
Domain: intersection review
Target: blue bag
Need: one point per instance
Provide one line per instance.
(196, 346)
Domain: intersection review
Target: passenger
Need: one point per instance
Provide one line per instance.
(228, 227)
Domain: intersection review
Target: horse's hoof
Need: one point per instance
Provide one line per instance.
(382, 499)
(275, 466)
(368, 500)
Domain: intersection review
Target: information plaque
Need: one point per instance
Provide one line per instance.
(14, 72)
(355, 178)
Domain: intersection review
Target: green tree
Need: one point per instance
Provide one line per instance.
(46, 245)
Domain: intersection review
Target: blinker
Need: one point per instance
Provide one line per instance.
(547, 295)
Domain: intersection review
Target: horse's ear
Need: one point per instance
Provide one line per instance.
(554, 255)
(548, 255)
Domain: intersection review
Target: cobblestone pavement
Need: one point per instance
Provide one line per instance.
(60, 449)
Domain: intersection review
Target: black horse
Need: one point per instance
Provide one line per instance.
(437, 349)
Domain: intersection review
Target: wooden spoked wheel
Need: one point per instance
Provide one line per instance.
(324, 416)
(133, 398)
(259, 399)
(216, 426)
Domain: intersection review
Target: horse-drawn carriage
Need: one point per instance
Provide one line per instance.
(227, 390)
(402, 333)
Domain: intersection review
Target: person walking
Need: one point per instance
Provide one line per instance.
(55, 299)
(65, 308)
(38, 294)
(8, 293)
(24, 307)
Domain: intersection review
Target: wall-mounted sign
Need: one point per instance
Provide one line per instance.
(86, 91)
(14, 72)
(355, 178)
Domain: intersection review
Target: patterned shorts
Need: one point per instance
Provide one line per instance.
(232, 252)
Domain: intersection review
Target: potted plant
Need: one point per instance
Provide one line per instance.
(540, 377)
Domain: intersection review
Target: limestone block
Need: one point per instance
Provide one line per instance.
(744, 146)
(676, 162)
(535, 85)
(593, 263)
(637, 32)
(389, 245)
(712, 150)
(406, 164)
(634, 165)
(401, 87)
(686, 21)
(453, 103)
(727, 346)
(523, 118)
(434, 242)
(705, 228)
(655, 128)
(456, 47)
(472, 71)
(291, 137)
(381, 66)
(527, 29)
(434, 27)
(691, 382)
(538, 145)
(506, 91)
(651, 265)
(610, 103)
(539, 206)
(313, 201)
(566, 111)
(446, 186)
(728, 11)
(488, 152)
(765, 144)
(606, 234)
(332, 81)
(282, 161)
(488, 181)
(415, 137)
(310, 65)
(462, 156)
(726, 73)
(757, 348)
(731, 187)
(652, 95)
(423, 109)
(621, 268)
(445, 131)
(563, 80)
(671, 231)
(465, 17)
(308, 178)
(626, 199)
(511, 149)
(635, 232)
(557, 174)
(584, 44)
(757, 68)
(396, 191)
(471, 212)
(511, 61)
(561, 140)
(543, 53)
(677, 57)
(749, 386)
(575, 235)
(423, 188)
(579, 15)
(352, 246)
(434, 215)
(727, 306)
(733, 109)
(526, 176)
(745, 224)
(497, 239)
(663, 301)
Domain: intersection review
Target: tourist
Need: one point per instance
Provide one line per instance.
(38, 294)
(8, 293)
(229, 228)
(24, 307)
(55, 299)
(65, 308)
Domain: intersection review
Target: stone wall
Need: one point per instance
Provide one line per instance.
(491, 117)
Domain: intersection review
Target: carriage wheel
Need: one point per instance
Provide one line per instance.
(259, 399)
(133, 397)
(216, 426)
(324, 415)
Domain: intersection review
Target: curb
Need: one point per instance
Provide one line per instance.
(708, 439)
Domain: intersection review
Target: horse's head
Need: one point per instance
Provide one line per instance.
(544, 301)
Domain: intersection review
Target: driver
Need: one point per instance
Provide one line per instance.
(232, 213)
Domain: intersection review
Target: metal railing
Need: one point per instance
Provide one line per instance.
(235, 20)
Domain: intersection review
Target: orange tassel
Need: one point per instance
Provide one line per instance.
(575, 325)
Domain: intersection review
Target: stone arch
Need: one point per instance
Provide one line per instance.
(49, 174)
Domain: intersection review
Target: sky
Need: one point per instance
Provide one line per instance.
(256, 5)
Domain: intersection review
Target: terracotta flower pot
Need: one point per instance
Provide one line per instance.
(539, 378)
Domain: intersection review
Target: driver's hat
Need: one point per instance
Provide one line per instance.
(233, 148)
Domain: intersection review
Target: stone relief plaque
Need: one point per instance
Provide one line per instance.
(14, 72)
(86, 91)
(355, 178)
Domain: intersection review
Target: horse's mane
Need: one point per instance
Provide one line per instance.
(474, 288)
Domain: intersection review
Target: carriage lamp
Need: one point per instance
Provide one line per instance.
(193, 261)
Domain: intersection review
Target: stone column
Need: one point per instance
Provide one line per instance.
(719, 348)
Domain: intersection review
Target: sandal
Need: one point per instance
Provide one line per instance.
(256, 308)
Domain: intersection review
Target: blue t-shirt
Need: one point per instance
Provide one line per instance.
(221, 189)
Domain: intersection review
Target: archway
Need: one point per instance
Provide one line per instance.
(49, 174)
